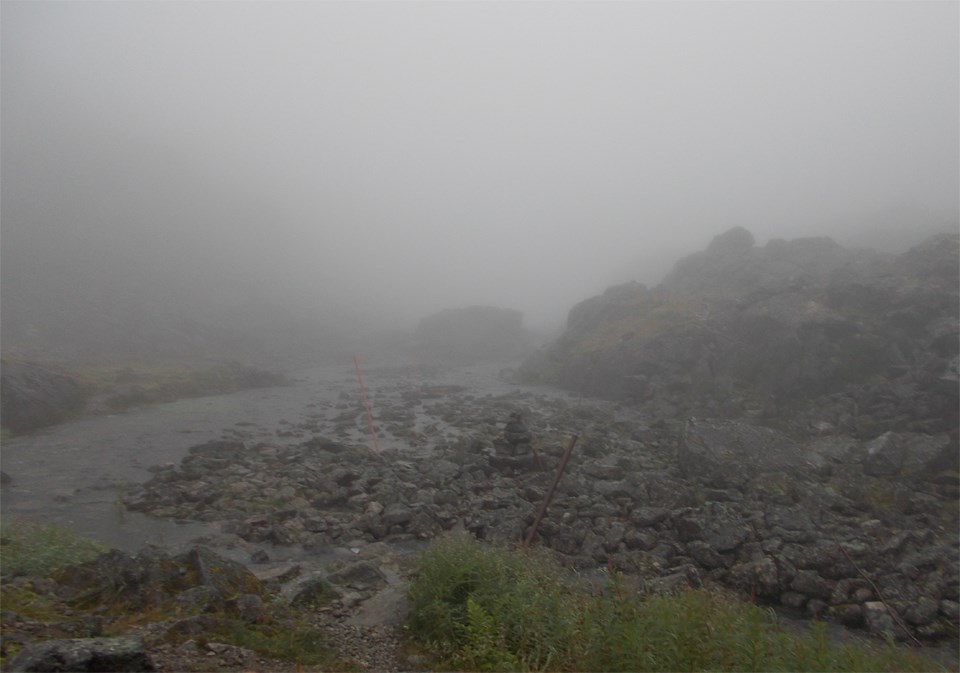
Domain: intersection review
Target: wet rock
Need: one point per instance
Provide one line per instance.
(877, 619)
(127, 653)
(760, 578)
(362, 576)
(810, 584)
(313, 590)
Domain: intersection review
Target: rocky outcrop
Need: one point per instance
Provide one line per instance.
(806, 333)
(472, 334)
(170, 611)
(198, 578)
(126, 653)
(32, 397)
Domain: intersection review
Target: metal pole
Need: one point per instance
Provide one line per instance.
(550, 492)
(366, 405)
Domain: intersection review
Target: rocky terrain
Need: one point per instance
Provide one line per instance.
(777, 421)
(859, 532)
(200, 611)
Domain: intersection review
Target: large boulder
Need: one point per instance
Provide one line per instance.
(33, 397)
(127, 653)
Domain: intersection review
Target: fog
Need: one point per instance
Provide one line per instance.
(371, 163)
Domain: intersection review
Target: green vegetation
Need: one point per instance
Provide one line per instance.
(642, 318)
(31, 551)
(482, 608)
(292, 641)
(34, 548)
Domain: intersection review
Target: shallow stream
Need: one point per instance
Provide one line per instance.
(75, 474)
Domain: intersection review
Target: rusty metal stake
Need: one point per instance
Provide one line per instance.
(550, 492)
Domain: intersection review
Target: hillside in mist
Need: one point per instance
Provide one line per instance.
(854, 339)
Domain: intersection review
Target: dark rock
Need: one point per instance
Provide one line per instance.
(921, 612)
(32, 397)
(313, 590)
(848, 614)
(397, 514)
(809, 583)
(705, 555)
(645, 517)
(127, 653)
(715, 524)
(877, 618)
(362, 576)
(760, 578)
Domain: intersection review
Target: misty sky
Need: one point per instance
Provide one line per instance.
(399, 158)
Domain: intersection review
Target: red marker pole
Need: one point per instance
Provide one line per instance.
(366, 405)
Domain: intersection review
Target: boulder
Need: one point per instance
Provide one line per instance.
(126, 653)
(153, 578)
(362, 576)
(33, 397)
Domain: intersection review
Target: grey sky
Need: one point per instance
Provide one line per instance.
(403, 157)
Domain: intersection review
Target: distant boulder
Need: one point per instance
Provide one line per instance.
(33, 397)
(472, 334)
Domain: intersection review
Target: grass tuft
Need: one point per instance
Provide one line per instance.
(37, 549)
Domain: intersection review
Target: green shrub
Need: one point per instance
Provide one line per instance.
(487, 609)
(34, 548)
(291, 641)
(482, 608)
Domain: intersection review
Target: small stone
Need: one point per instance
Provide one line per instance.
(877, 618)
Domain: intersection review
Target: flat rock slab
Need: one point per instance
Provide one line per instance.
(127, 653)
